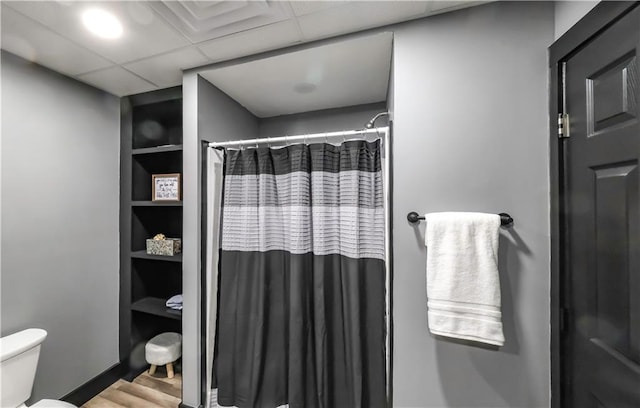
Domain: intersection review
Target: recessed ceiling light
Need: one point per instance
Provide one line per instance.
(102, 23)
(304, 87)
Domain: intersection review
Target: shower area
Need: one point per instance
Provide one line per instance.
(294, 253)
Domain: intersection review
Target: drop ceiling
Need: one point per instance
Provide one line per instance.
(162, 38)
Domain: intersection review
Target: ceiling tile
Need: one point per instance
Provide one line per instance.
(166, 70)
(158, 35)
(31, 41)
(317, 78)
(145, 33)
(302, 7)
(117, 81)
(200, 10)
(437, 7)
(357, 16)
(204, 20)
(252, 41)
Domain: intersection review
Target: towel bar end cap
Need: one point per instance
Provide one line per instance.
(414, 217)
(506, 220)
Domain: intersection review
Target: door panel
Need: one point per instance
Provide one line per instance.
(610, 95)
(601, 348)
(616, 198)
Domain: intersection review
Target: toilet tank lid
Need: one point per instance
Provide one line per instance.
(17, 343)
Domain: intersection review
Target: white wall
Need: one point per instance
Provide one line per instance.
(567, 13)
(471, 134)
(60, 199)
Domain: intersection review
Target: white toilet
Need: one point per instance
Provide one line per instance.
(19, 354)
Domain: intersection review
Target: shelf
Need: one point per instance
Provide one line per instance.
(157, 149)
(144, 166)
(156, 203)
(156, 307)
(147, 222)
(145, 255)
(157, 124)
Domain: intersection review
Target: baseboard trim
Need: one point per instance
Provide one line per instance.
(96, 385)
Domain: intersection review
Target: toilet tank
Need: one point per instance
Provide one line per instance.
(19, 354)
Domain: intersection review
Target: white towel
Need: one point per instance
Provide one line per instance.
(175, 302)
(463, 286)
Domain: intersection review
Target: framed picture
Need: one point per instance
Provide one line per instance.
(165, 187)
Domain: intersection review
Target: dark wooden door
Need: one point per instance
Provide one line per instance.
(601, 346)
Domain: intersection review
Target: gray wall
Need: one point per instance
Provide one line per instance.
(209, 115)
(328, 120)
(469, 102)
(60, 166)
(471, 134)
(567, 13)
(221, 118)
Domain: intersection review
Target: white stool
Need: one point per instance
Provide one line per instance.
(163, 349)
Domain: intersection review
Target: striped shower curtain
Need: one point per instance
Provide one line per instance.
(301, 318)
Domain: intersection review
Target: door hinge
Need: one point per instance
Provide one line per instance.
(563, 125)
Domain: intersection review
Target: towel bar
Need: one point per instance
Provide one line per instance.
(505, 219)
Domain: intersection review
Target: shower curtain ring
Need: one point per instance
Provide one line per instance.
(269, 142)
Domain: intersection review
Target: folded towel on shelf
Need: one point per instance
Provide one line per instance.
(463, 285)
(175, 302)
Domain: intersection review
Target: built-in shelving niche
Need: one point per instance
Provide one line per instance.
(146, 222)
(143, 166)
(157, 124)
(151, 144)
(153, 281)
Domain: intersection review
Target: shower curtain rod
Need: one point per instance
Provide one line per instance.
(296, 138)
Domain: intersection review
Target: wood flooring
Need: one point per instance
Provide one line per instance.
(146, 391)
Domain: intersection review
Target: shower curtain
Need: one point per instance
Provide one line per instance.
(301, 297)
(214, 180)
